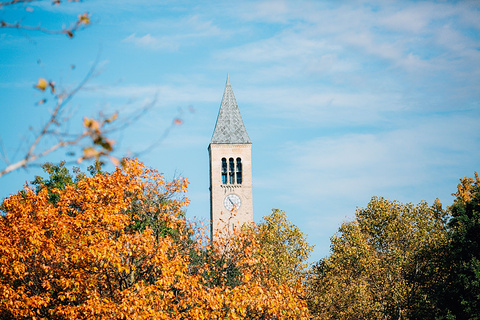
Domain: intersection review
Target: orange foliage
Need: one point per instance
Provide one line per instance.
(81, 258)
(466, 187)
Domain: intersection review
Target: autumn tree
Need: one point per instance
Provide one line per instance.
(284, 247)
(92, 251)
(377, 263)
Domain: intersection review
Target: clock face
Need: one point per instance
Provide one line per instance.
(232, 201)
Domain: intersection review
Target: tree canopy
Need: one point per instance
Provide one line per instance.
(93, 251)
(377, 262)
(283, 247)
(118, 246)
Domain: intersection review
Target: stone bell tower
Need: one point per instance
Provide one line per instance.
(230, 170)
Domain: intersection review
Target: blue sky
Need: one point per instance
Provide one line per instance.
(343, 100)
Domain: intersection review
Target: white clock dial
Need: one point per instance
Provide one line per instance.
(232, 201)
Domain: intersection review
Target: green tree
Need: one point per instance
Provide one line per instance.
(283, 247)
(459, 293)
(59, 177)
(377, 263)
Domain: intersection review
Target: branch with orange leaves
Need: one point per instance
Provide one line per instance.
(95, 131)
(54, 121)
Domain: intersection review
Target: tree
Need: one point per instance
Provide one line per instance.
(283, 247)
(93, 251)
(377, 263)
(458, 296)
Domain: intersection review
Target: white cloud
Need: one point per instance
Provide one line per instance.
(200, 27)
(356, 166)
(272, 11)
(399, 35)
(151, 42)
(412, 18)
(171, 35)
(166, 94)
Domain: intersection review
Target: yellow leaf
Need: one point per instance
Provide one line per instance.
(83, 19)
(42, 84)
(112, 118)
(90, 123)
(89, 153)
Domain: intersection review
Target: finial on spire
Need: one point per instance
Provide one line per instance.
(228, 80)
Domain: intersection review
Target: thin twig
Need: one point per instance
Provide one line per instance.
(8, 3)
(63, 100)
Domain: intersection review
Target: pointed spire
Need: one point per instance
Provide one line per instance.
(229, 127)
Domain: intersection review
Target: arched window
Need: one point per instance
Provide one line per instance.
(224, 171)
(239, 171)
(231, 171)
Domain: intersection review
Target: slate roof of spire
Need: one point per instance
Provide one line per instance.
(229, 127)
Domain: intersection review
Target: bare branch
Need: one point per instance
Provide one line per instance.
(134, 118)
(82, 21)
(55, 133)
(26, 161)
(62, 101)
(175, 122)
(8, 3)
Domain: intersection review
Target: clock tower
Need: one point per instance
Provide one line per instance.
(230, 170)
